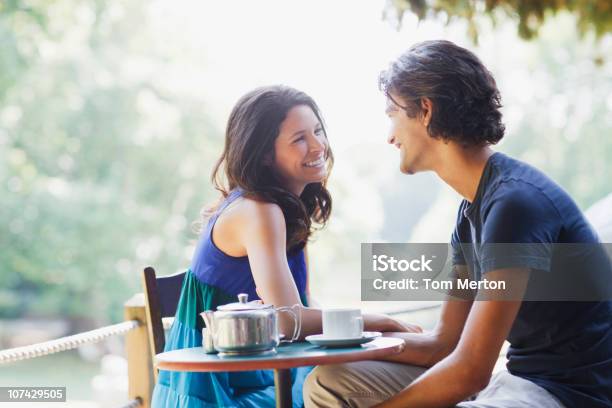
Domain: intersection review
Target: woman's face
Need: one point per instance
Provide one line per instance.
(300, 149)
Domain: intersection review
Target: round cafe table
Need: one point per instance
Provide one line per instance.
(287, 356)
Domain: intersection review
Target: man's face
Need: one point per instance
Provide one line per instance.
(409, 135)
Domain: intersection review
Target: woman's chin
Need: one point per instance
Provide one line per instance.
(316, 176)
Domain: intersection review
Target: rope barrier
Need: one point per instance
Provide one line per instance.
(66, 343)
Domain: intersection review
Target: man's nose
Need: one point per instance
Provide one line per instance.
(391, 138)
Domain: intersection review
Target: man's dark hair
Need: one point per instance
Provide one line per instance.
(464, 95)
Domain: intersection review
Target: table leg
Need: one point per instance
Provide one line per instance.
(282, 388)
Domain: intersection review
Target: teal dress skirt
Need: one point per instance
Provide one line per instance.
(215, 279)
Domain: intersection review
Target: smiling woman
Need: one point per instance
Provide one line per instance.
(272, 176)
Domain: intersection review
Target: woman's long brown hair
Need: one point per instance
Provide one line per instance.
(252, 128)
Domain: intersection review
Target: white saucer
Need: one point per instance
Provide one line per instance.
(321, 340)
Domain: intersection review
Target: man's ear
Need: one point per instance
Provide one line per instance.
(426, 111)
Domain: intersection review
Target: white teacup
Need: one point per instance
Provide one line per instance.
(342, 323)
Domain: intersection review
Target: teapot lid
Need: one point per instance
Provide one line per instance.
(244, 304)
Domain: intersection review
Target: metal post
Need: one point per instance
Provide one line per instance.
(282, 388)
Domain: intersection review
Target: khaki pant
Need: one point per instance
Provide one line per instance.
(367, 383)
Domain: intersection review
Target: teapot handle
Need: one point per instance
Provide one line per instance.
(297, 321)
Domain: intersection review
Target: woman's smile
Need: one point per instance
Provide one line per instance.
(318, 162)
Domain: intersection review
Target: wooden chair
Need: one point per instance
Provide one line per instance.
(161, 298)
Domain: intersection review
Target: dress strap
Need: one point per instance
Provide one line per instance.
(231, 197)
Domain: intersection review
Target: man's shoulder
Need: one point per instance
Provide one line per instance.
(519, 185)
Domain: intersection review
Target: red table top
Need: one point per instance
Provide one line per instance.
(287, 356)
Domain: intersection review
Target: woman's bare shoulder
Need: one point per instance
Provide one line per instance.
(249, 207)
(248, 212)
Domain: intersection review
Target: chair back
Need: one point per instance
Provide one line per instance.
(161, 299)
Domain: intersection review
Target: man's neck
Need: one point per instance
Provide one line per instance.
(461, 168)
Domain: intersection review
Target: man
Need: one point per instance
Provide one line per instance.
(444, 108)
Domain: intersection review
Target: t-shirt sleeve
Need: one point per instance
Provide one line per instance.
(520, 224)
(457, 239)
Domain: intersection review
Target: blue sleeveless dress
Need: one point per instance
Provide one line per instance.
(214, 279)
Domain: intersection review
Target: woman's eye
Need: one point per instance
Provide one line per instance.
(298, 139)
(319, 132)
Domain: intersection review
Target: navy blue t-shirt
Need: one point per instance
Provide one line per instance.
(564, 347)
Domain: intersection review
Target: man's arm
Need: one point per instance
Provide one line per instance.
(467, 369)
(427, 348)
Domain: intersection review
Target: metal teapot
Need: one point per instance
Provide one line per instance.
(246, 327)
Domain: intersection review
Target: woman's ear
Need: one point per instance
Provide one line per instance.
(268, 159)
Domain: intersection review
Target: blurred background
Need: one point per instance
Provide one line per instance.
(112, 114)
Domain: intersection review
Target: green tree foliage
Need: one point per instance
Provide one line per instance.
(561, 119)
(104, 162)
(100, 161)
(592, 15)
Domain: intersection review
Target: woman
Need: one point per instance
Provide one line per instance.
(272, 177)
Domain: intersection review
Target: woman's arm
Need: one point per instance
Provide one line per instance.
(262, 232)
